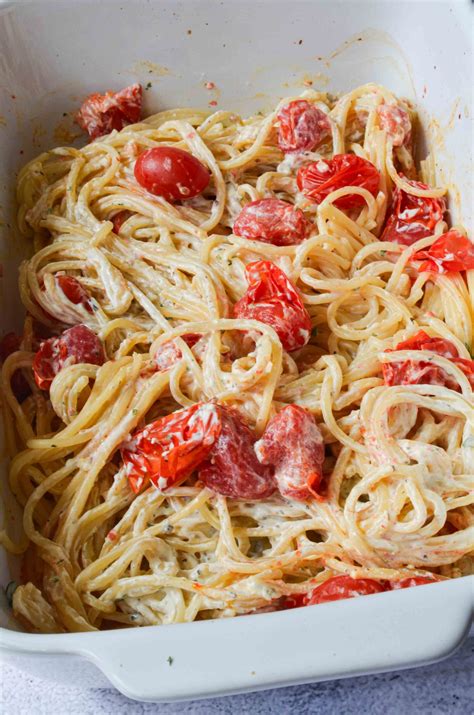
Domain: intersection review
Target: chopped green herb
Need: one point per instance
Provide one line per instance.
(170, 660)
(314, 331)
(469, 350)
(148, 85)
(383, 252)
(134, 411)
(55, 579)
(10, 589)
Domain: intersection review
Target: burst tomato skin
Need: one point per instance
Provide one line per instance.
(412, 217)
(272, 299)
(293, 445)
(302, 126)
(76, 345)
(207, 437)
(232, 469)
(272, 221)
(451, 252)
(171, 172)
(102, 113)
(169, 353)
(74, 291)
(412, 581)
(410, 372)
(395, 121)
(340, 587)
(320, 178)
(169, 449)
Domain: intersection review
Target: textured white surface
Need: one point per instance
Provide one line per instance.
(447, 687)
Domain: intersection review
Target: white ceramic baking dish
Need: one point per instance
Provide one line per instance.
(52, 53)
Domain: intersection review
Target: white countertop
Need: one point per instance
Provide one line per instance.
(444, 688)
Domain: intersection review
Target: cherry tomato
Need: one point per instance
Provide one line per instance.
(412, 217)
(395, 121)
(167, 451)
(412, 581)
(169, 353)
(172, 173)
(272, 299)
(294, 600)
(120, 219)
(450, 252)
(302, 126)
(320, 178)
(339, 587)
(231, 468)
(74, 291)
(411, 372)
(10, 343)
(272, 221)
(293, 445)
(101, 113)
(76, 345)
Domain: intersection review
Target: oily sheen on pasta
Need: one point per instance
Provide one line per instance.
(397, 486)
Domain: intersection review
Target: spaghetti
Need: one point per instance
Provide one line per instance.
(396, 492)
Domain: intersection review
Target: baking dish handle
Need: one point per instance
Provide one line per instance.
(387, 631)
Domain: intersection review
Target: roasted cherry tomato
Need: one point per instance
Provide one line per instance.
(101, 113)
(232, 469)
(293, 445)
(395, 121)
(119, 219)
(320, 178)
(294, 600)
(412, 217)
(413, 581)
(172, 173)
(169, 353)
(272, 221)
(302, 126)
(10, 343)
(411, 372)
(74, 291)
(450, 252)
(339, 587)
(272, 299)
(76, 345)
(168, 450)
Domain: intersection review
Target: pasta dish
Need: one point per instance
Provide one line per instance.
(245, 380)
